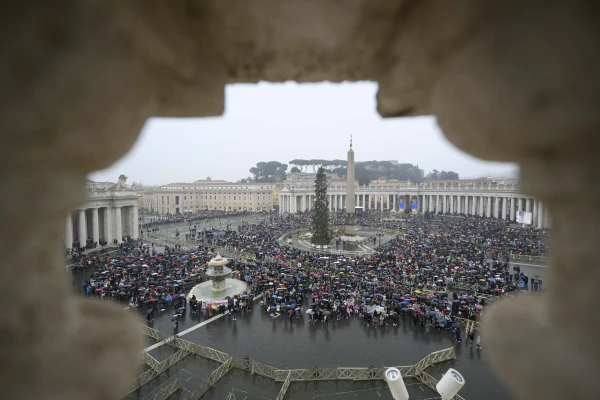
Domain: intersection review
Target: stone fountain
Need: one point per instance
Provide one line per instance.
(220, 285)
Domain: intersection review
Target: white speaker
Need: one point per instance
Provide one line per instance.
(396, 384)
(450, 384)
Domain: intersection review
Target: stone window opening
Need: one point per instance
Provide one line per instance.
(507, 81)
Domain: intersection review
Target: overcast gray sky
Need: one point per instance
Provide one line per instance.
(281, 122)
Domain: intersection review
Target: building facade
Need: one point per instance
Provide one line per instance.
(483, 197)
(110, 213)
(178, 198)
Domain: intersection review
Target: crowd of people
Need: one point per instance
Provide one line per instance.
(411, 276)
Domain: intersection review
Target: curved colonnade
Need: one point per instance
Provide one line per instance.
(107, 215)
(481, 198)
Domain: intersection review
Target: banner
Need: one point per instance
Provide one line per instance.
(524, 217)
(414, 206)
(401, 206)
(215, 303)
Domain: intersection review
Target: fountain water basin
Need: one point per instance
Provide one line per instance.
(219, 286)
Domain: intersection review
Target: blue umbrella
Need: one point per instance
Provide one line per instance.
(405, 302)
(274, 296)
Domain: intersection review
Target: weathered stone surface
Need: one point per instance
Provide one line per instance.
(508, 80)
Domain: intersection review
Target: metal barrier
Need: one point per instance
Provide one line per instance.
(157, 368)
(151, 361)
(467, 324)
(286, 385)
(210, 382)
(200, 350)
(287, 376)
(527, 257)
(241, 363)
(230, 396)
(264, 370)
(153, 333)
(434, 358)
(167, 391)
(141, 380)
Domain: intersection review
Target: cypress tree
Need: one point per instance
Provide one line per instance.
(319, 215)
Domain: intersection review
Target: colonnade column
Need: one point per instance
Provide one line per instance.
(451, 204)
(540, 222)
(513, 209)
(503, 209)
(135, 217)
(496, 207)
(483, 204)
(95, 226)
(82, 228)
(488, 211)
(69, 231)
(534, 212)
(108, 228)
(459, 200)
(118, 225)
(528, 205)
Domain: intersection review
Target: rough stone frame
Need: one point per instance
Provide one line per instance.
(508, 80)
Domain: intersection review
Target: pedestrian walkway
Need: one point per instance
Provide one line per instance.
(180, 334)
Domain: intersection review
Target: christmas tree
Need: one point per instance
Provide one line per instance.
(319, 217)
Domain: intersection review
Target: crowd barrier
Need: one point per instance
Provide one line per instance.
(156, 368)
(285, 386)
(169, 390)
(527, 257)
(214, 377)
(468, 325)
(286, 376)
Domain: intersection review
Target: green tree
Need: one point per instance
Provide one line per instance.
(269, 171)
(319, 216)
(434, 175)
(295, 170)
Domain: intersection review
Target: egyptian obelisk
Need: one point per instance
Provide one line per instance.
(350, 199)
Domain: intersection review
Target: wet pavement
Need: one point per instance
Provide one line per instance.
(296, 344)
(346, 343)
